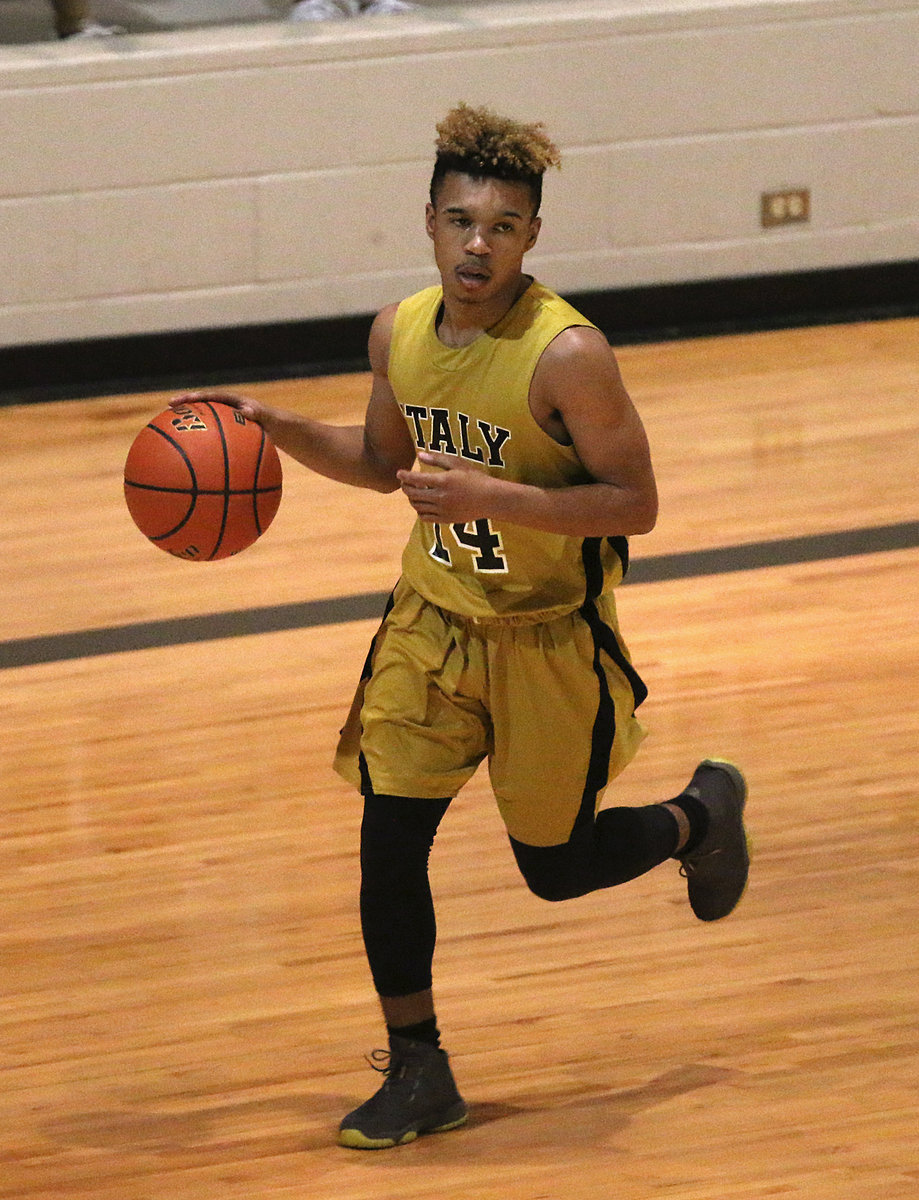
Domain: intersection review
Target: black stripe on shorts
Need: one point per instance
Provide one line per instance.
(366, 672)
(604, 730)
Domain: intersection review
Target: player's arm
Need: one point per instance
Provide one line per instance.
(367, 455)
(577, 395)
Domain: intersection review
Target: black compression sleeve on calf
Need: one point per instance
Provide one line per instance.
(397, 909)
(621, 844)
(424, 1031)
(697, 815)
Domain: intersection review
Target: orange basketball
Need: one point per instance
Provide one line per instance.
(202, 482)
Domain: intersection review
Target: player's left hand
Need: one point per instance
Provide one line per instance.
(456, 492)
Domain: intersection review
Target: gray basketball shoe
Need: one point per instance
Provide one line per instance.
(418, 1095)
(716, 869)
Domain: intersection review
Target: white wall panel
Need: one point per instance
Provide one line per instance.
(159, 239)
(37, 250)
(377, 214)
(252, 174)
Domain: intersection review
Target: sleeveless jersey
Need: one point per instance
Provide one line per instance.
(473, 402)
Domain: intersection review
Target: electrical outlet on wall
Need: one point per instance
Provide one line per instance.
(790, 206)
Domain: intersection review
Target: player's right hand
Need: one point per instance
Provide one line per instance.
(252, 410)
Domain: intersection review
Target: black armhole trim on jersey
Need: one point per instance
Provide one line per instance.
(593, 567)
(621, 546)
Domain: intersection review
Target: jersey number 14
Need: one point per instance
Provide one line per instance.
(476, 536)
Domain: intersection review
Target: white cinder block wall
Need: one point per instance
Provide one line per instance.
(278, 172)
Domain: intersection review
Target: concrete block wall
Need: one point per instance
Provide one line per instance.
(273, 172)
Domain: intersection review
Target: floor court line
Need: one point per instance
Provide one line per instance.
(90, 643)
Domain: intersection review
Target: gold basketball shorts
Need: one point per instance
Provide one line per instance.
(550, 704)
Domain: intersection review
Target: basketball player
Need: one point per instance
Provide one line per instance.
(500, 412)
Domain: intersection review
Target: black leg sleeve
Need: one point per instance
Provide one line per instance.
(621, 844)
(397, 909)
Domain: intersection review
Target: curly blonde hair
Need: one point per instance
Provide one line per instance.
(479, 142)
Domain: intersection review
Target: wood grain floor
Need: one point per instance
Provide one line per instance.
(185, 1007)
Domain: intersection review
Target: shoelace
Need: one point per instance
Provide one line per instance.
(392, 1070)
(395, 1072)
(688, 864)
(380, 1056)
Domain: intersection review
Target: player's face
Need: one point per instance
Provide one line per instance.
(481, 229)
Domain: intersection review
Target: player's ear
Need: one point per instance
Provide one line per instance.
(429, 216)
(535, 226)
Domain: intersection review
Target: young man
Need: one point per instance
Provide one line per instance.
(500, 412)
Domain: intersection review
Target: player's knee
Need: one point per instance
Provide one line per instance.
(553, 890)
(546, 871)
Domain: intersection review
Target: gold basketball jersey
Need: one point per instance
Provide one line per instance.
(473, 403)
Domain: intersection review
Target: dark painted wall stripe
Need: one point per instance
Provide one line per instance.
(184, 359)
